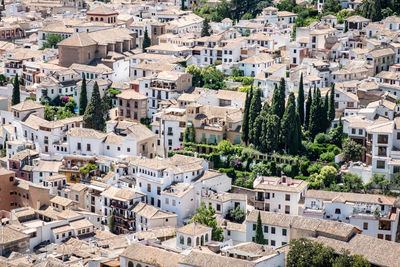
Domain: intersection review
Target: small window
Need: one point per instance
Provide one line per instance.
(272, 231)
(365, 226)
(337, 211)
(265, 229)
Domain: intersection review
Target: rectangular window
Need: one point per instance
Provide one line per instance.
(365, 226)
(382, 139)
(79, 146)
(254, 226)
(148, 187)
(284, 232)
(88, 147)
(272, 243)
(380, 164)
(272, 230)
(287, 197)
(265, 229)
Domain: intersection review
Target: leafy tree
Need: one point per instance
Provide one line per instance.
(395, 179)
(212, 78)
(225, 147)
(336, 134)
(205, 30)
(372, 9)
(345, 259)
(70, 106)
(259, 237)
(16, 92)
(331, 107)
(305, 253)
(111, 221)
(196, 75)
(52, 40)
(278, 99)
(300, 100)
(286, 5)
(352, 151)
(245, 122)
(3, 78)
(289, 127)
(237, 215)
(396, 6)
(308, 109)
(146, 41)
(206, 217)
(83, 97)
(94, 113)
(352, 182)
(328, 175)
(331, 6)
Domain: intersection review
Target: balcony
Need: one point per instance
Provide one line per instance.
(314, 211)
(118, 205)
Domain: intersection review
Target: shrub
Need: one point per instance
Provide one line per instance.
(327, 157)
(322, 138)
(315, 168)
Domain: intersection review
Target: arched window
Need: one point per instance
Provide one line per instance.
(197, 241)
(130, 264)
(138, 265)
(91, 19)
(202, 240)
(206, 238)
(182, 240)
(189, 241)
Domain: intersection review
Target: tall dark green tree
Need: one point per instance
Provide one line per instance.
(316, 114)
(336, 134)
(270, 133)
(183, 5)
(325, 120)
(372, 9)
(205, 29)
(308, 109)
(94, 115)
(16, 91)
(300, 100)
(289, 129)
(259, 237)
(254, 111)
(146, 41)
(238, 8)
(245, 122)
(278, 99)
(331, 107)
(83, 97)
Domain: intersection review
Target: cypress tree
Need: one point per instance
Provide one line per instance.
(182, 4)
(278, 99)
(325, 120)
(15, 93)
(289, 129)
(254, 111)
(205, 30)
(245, 122)
(256, 134)
(94, 116)
(331, 107)
(308, 109)
(146, 41)
(315, 114)
(259, 237)
(271, 130)
(83, 97)
(300, 100)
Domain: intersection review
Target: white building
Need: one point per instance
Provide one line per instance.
(375, 215)
(281, 195)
